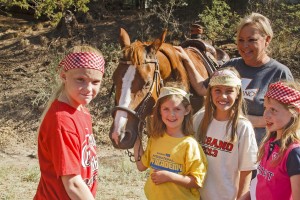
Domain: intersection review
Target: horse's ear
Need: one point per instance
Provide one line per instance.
(124, 39)
(158, 42)
(163, 35)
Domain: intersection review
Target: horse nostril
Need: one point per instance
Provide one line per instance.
(126, 136)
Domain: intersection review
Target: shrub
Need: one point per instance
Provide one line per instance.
(165, 11)
(49, 8)
(219, 21)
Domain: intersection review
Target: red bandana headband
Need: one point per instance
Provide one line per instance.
(86, 60)
(284, 94)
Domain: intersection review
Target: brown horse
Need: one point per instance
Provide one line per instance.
(138, 79)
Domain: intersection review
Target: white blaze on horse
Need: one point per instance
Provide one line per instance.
(141, 72)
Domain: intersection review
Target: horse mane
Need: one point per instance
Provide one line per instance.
(135, 52)
(178, 70)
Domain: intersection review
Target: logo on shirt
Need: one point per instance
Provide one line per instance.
(212, 146)
(89, 158)
(274, 156)
(265, 173)
(248, 93)
(162, 161)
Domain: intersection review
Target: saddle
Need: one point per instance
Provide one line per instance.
(213, 57)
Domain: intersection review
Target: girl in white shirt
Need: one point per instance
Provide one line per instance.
(227, 138)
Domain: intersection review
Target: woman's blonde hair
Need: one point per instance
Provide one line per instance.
(261, 22)
(157, 127)
(291, 132)
(59, 89)
(238, 110)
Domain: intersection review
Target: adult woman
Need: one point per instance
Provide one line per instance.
(256, 67)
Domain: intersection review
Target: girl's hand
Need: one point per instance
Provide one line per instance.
(160, 176)
(138, 152)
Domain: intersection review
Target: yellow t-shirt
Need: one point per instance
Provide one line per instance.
(178, 155)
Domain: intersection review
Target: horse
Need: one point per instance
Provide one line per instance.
(142, 71)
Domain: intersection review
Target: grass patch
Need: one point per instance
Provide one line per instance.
(31, 175)
(18, 181)
(119, 179)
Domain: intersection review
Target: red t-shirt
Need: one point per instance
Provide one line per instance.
(66, 146)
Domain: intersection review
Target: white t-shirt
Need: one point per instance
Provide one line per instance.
(225, 159)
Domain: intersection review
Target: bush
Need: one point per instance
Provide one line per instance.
(219, 21)
(165, 11)
(49, 8)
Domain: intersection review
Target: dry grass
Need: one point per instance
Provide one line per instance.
(18, 177)
(118, 177)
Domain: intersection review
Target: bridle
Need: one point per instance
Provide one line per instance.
(156, 79)
(138, 114)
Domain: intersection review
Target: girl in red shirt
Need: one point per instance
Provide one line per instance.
(66, 145)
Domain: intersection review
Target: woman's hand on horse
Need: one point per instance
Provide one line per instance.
(181, 53)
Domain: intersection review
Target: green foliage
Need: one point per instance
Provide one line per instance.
(31, 175)
(52, 9)
(111, 52)
(286, 42)
(21, 3)
(285, 18)
(220, 22)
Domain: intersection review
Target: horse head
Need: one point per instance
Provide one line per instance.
(137, 80)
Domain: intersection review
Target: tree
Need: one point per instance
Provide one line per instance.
(53, 9)
(219, 21)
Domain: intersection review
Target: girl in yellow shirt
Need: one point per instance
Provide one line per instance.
(176, 160)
